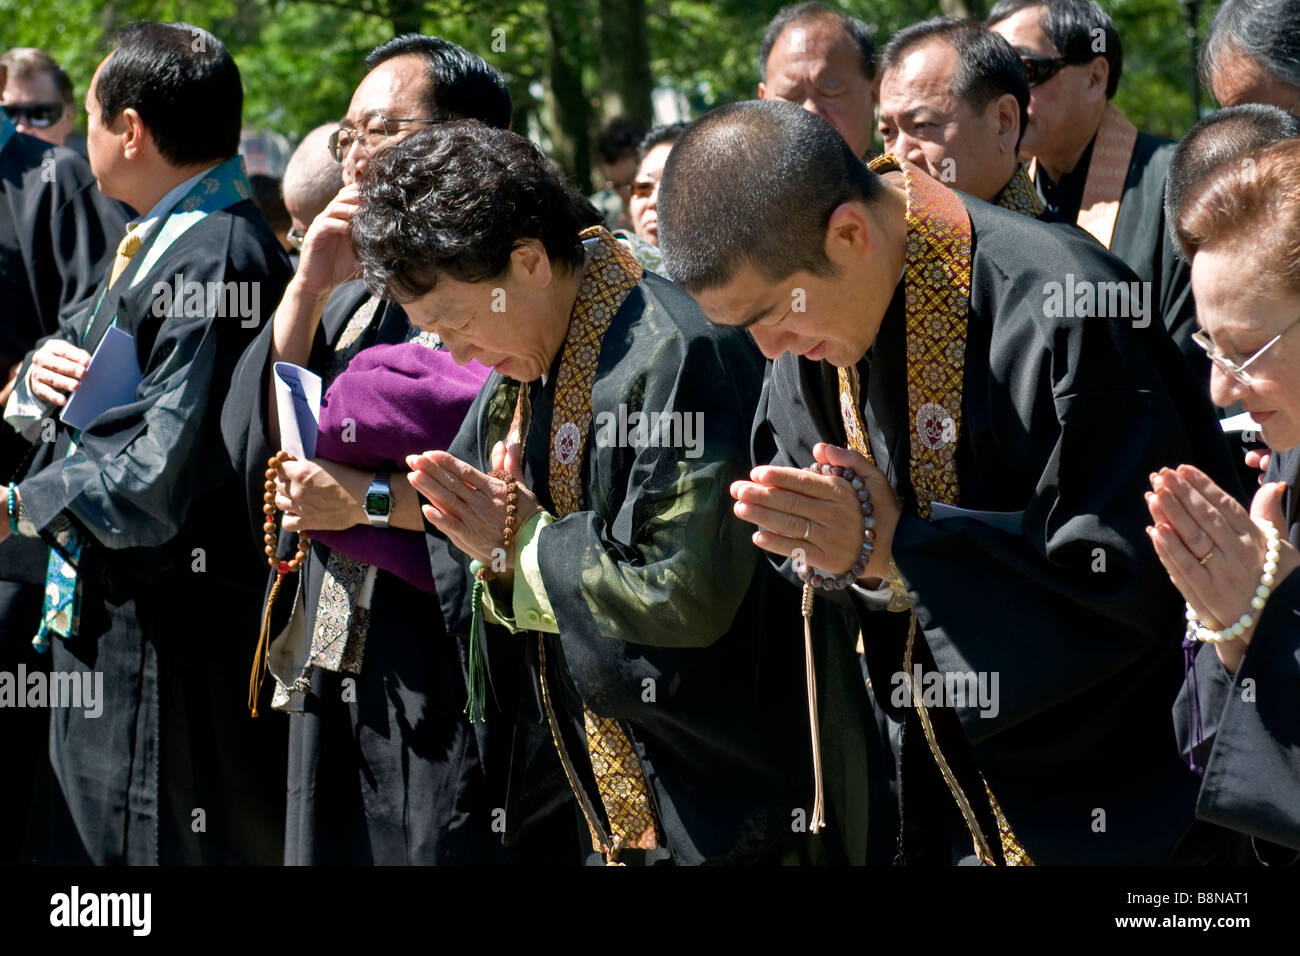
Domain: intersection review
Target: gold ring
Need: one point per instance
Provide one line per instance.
(1208, 556)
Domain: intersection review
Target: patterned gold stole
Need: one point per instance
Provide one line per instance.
(937, 282)
(612, 273)
(1019, 195)
(1112, 152)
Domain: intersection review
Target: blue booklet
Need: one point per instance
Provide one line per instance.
(110, 380)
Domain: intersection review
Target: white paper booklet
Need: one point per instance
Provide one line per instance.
(297, 395)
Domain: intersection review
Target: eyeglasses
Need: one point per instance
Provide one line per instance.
(376, 129)
(296, 238)
(36, 115)
(1238, 372)
(1040, 69)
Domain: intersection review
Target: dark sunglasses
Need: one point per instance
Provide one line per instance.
(37, 115)
(1040, 69)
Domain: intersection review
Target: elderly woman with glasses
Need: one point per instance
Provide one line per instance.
(620, 646)
(1238, 716)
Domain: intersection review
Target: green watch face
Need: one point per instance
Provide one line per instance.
(376, 503)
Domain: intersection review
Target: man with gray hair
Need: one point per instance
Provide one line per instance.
(1252, 54)
(825, 62)
(311, 179)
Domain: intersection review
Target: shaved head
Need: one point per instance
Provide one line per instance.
(312, 177)
(754, 184)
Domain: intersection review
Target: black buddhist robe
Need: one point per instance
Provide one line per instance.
(173, 770)
(664, 611)
(1062, 420)
(1141, 237)
(1250, 723)
(389, 772)
(57, 238)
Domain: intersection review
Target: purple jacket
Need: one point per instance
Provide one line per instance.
(393, 401)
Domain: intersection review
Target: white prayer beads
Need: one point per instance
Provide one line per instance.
(1244, 623)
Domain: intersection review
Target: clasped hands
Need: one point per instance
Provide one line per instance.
(469, 507)
(818, 518)
(1213, 549)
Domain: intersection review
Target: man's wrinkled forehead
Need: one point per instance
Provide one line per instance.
(809, 46)
(923, 74)
(396, 88)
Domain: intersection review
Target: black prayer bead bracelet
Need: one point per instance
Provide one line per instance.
(838, 582)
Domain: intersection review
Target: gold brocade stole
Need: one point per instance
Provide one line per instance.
(1112, 152)
(612, 273)
(1019, 195)
(937, 281)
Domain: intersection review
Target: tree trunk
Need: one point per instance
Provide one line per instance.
(962, 8)
(625, 60)
(406, 16)
(570, 111)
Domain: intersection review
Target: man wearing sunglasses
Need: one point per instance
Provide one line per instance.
(37, 95)
(1088, 162)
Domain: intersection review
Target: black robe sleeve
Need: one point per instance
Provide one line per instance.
(65, 233)
(1142, 239)
(138, 467)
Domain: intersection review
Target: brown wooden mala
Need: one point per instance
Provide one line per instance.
(270, 533)
(512, 513)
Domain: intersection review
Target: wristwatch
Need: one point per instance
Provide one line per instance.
(379, 501)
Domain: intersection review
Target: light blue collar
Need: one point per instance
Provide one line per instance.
(163, 206)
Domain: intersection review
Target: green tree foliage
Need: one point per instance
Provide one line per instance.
(571, 64)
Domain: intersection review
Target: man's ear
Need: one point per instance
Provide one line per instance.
(136, 133)
(762, 90)
(1006, 121)
(1098, 77)
(850, 232)
(529, 263)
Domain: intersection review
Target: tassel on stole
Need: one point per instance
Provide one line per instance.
(258, 675)
(818, 818)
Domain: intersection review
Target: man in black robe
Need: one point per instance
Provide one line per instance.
(1089, 163)
(147, 584)
(384, 767)
(1036, 579)
(954, 100)
(57, 234)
